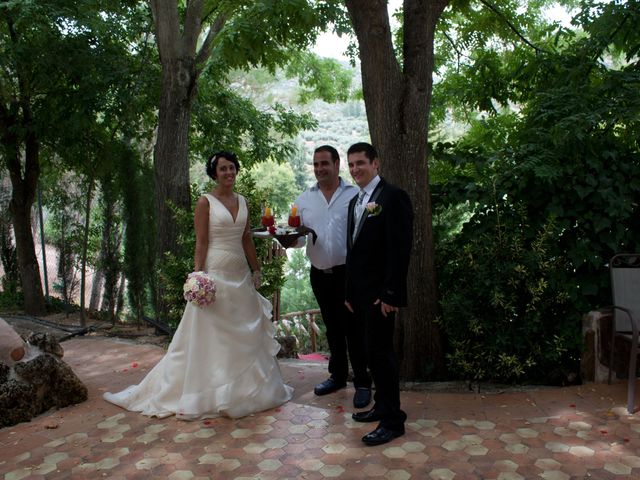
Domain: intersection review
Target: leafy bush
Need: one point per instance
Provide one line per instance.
(505, 298)
(297, 294)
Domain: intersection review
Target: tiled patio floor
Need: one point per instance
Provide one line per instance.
(564, 433)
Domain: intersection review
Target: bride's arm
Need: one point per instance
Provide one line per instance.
(249, 248)
(201, 225)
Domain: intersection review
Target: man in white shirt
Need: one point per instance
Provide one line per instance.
(323, 208)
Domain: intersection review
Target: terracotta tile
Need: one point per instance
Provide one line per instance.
(311, 432)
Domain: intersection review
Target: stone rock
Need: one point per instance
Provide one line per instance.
(37, 383)
(46, 343)
(16, 402)
(4, 372)
(288, 346)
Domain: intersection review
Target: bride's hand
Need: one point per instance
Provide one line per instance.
(257, 279)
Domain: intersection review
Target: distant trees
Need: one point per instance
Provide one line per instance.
(61, 75)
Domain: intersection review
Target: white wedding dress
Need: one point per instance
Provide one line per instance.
(221, 361)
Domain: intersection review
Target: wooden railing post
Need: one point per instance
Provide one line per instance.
(312, 330)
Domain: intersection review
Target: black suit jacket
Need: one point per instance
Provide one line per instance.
(378, 257)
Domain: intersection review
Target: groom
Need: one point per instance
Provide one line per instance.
(379, 237)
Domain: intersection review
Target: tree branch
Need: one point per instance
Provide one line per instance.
(192, 26)
(167, 22)
(459, 54)
(512, 26)
(205, 49)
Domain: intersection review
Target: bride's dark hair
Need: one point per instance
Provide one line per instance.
(212, 162)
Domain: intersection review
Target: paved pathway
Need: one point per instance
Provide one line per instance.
(551, 433)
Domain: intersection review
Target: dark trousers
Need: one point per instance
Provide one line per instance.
(344, 332)
(383, 364)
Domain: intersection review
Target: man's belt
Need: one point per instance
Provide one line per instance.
(330, 269)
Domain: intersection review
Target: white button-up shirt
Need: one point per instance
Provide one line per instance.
(329, 221)
(368, 190)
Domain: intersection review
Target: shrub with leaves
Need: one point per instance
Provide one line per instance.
(505, 301)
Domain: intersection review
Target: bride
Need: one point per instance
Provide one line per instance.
(221, 361)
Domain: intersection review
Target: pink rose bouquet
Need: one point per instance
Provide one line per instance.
(199, 289)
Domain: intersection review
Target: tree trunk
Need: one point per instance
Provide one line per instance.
(27, 262)
(120, 297)
(171, 162)
(96, 289)
(397, 102)
(109, 257)
(17, 135)
(22, 197)
(83, 260)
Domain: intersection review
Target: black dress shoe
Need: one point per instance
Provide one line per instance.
(328, 386)
(362, 397)
(381, 435)
(366, 417)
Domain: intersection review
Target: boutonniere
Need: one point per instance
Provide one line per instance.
(373, 209)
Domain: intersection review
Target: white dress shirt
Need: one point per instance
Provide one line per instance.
(370, 187)
(329, 221)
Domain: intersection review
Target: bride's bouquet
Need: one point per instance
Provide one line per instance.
(199, 289)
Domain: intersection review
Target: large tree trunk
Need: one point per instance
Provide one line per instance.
(27, 262)
(397, 101)
(181, 64)
(16, 134)
(171, 162)
(22, 197)
(109, 256)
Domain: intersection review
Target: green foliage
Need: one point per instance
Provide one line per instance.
(278, 181)
(265, 33)
(272, 264)
(137, 215)
(11, 301)
(173, 269)
(320, 78)
(110, 261)
(506, 300)
(297, 295)
(226, 120)
(64, 229)
(546, 189)
(483, 50)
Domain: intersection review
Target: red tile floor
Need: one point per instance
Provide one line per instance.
(550, 433)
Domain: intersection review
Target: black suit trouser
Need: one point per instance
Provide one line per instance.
(383, 364)
(344, 333)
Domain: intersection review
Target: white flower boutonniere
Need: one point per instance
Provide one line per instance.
(373, 209)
